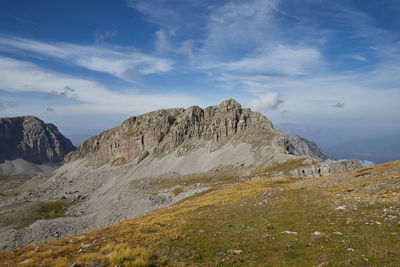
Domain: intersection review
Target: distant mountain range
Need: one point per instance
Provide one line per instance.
(341, 145)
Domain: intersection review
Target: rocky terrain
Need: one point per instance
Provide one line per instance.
(344, 219)
(28, 145)
(300, 146)
(152, 161)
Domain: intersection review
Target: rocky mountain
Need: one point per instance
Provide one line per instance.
(161, 132)
(300, 146)
(28, 141)
(154, 160)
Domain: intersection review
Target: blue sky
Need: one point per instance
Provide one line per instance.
(311, 64)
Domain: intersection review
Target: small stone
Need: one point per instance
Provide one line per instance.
(235, 251)
(289, 233)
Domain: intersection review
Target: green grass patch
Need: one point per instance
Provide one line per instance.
(8, 183)
(284, 167)
(24, 214)
(54, 209)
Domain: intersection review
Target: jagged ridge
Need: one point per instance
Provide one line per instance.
(164, 131)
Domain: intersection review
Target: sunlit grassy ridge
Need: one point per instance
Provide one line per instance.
(343, 219)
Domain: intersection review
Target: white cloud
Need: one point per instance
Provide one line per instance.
(122, 63)
(173, 15)
(187, 49)
(90, 96)
(164, 45)
(66, 92)
(310, 97)
(359, 58)
(265, 102)
(162, 41)
(281, 59)
(238, 24)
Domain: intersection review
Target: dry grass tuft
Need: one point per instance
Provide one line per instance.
(177, 191)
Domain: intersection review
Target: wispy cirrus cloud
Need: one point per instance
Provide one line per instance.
(120, 62)
(175, 15)
(235, 26)
(282, 59)
(162, 42)
(88, 97)
(359, 57)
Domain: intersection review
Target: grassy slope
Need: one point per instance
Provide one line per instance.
(245, 225)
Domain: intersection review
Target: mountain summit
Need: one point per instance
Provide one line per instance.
(28, 141)
(185, 131)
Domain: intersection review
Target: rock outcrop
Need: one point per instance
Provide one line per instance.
(310, 169)
(300, 146)
(344, 165)
(30, 139)
(184, 130)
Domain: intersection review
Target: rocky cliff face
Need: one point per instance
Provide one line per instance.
(185, 130)
(31, 139)
(344, 165)
(316, 169)
(300, 146)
